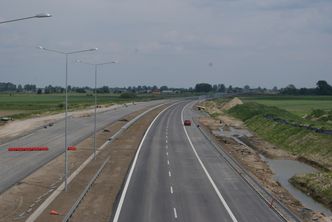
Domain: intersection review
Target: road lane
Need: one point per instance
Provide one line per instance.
(14, 166)
(168, 183)
(242, 199)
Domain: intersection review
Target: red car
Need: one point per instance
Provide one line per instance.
(187, 122)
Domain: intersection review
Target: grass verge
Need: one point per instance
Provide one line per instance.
(317, 185)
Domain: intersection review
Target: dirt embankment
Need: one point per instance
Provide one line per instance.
(250, 158)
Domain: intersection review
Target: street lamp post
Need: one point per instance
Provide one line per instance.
(66, 100)
(95, 119)
(40, 15)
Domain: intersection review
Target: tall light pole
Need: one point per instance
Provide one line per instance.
(40, 15)
(95, 119)
(66, 100)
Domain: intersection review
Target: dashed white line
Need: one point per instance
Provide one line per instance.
(171, 188)
(166, 153)
(167, 162)
(166, 141)
(169, 173)
(175, 213)
(124, 192)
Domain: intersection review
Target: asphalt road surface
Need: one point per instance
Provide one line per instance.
(14, 166)
(177, 179)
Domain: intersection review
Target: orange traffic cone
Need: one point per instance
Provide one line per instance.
(54, 212)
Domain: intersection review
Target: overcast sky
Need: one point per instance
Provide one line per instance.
(169, 42)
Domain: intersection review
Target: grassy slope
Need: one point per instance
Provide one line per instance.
(318, 185)
(298, 141)
(304, 143)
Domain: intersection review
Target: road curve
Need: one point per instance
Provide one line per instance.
(179, 176)
(14, 166)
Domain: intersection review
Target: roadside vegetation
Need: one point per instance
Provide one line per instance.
(317, 185)
(299, 141)
(291, 123)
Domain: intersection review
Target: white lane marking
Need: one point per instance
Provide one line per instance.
(171, 188)
(223, 201)
(166, 136)
(169, 173)
(167, 162)
(60, 189)
(175, 213)
(166, 141)
(166, 153)
(124, 192)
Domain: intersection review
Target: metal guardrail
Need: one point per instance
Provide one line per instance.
(268, 198)
(111, 139)
(85, 191)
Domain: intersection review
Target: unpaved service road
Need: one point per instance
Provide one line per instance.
(98, 203)
(14, 166)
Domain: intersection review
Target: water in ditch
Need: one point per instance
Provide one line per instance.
(284, 170)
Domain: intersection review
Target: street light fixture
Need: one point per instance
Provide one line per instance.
(66, 100)
(95, 119)
(40, 15)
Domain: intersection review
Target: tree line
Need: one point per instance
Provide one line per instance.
(322, 88)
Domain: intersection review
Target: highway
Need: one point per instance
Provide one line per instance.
(178, 176)
(14, 166)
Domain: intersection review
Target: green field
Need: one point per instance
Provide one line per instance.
(21, 106)
(299, 105)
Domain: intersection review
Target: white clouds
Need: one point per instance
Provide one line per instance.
(226, 32)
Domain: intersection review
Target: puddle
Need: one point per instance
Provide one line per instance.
(284, 170)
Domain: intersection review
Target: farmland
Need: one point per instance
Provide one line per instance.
(20, 106)
(299, 105)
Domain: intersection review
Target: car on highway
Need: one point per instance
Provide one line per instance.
(187, 122)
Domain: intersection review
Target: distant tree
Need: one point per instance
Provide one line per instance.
(19, 88)
(39, 91)
(246, 87)
(7, 87)
(162, 88)
(221, 88)
(30, 88)
(290, 90)
(203, 87)
(323, 88)
(215, 88)
(230, 89)
(275, 89)
(104, 89)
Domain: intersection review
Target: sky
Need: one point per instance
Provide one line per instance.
(177, 43)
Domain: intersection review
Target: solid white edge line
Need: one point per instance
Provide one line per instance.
(175, 213)
(124, 192)
(223, 201)
(60, 189)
